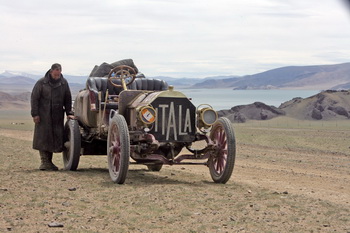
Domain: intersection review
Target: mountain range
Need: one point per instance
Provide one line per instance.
(317, 77)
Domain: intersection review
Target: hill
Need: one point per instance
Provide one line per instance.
(25, 96)
(192, 82)
(16, 82)
(18, 101)
(326, 105)
(320, 77)
(178, 82)
(255, 111)
(20, 78)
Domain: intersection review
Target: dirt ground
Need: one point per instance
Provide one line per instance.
(284, 180)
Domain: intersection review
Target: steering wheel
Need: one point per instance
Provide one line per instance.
(121, 73)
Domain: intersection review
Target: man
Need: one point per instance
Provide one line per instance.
(51, 98)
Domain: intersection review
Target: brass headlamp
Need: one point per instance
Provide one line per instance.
(206, 116)
(146, 114)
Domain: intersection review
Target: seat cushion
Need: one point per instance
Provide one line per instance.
(151, 84)
(101, 84)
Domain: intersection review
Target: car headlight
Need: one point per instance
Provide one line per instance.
(147, 115)
(207, 116)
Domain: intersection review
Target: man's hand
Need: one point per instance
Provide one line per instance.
(72, 117)
(36, 119)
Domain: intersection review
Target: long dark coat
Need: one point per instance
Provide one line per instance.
(50, 101)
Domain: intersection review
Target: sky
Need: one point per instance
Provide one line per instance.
(177, 38)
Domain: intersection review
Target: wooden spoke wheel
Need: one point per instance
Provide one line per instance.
(118, 149)
(222, 161)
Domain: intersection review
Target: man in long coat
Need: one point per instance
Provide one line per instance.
(51, 98)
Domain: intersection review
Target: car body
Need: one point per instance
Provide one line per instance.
(132, 118)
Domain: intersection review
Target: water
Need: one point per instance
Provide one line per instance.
(227, 98)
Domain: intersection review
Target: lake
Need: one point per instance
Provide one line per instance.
(227, 98)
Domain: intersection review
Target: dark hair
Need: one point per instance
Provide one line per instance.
(56, 66)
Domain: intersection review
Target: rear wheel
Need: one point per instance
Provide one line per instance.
(222, 161)
(118, 149)
(72, 145)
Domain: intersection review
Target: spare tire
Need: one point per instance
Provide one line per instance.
(104, 69)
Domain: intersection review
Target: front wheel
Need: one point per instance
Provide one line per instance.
(118, 149)
(222, 161)
(72, 145)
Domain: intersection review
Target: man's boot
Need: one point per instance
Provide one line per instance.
(46, 161)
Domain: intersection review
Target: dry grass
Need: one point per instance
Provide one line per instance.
(16, 119)
(286, 179)
(330, 137)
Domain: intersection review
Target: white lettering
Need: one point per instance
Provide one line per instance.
(180, 121)
(187, 121)
(171, 122)
(163, 107)
(156, 122)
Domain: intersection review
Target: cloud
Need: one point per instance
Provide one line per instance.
(178, 37)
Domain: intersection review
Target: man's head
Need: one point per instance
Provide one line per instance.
(56, 71)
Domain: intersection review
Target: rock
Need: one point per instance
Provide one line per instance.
(255, 111)
(55, 224)
(316, 114)
(66, 204)
(263, 114)
(238, 117)
(224, 112)
(320, 108)
(339, 110)
(72, 189)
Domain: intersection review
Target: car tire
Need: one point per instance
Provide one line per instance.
(118, 149)
(221, 163)
(72, 145)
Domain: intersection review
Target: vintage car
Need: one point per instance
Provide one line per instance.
(133, 119)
